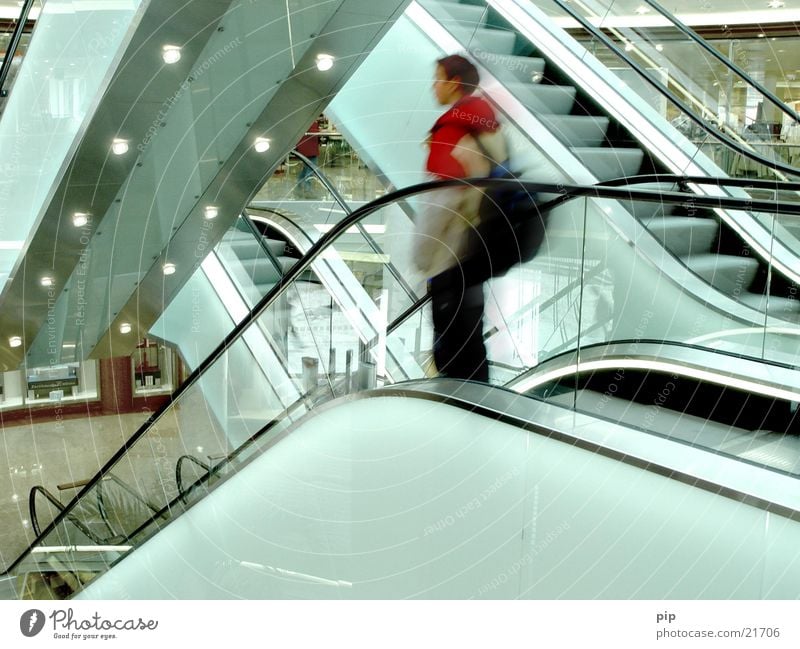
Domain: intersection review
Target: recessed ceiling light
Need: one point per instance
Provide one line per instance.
(641, 10)
(119, 146)
(14, 341)
(171, 54)
(761, 35)
(660, 47)
(79, 219)
(628, 46)
(125, 327)
(262, 144)
(46, 281)
(324, 62)
(211, 212)
(69, 345)
(169, 269)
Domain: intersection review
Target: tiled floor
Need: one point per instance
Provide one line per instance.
(50, 454)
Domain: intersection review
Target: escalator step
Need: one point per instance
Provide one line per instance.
(544, 99)
(498, 41)
(730, 274)
(577, 130)
(683, 236)
(276, 247)
(779, 307)
(245, 248)
(251, 248)
(511, 68)
(261, 271)
(607, 163)
(287, 262)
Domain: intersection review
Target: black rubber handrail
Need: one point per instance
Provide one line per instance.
(742, 74)
(179, 473)
(11, 51)
(597, 33)
(339, 199)
(342, 203)
(101, 505)
(38, 489)
(532, 371)
(253, 230)
(567, 192)
(683, 180)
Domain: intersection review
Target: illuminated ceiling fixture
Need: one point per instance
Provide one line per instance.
(660, 47)
(628, 46)
(125, 327)
(14, 341)
(79, 219)
(119, 147)
(211, 212)
(46, 281)
(262, 144)
(324, 62)
(776, 4)
(171, 54)
(169, 269)
(761, 35)
(641, 10)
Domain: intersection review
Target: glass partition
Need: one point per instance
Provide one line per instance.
(15, 39)
(738, 100)
(601, 277)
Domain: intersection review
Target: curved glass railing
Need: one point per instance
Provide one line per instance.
(589, 283)
(278, 229)
(252, 257)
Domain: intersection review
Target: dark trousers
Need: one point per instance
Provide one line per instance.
(457, 306)
(306, 174)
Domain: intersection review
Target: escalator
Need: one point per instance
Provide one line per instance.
(572, 119)
(465, 474)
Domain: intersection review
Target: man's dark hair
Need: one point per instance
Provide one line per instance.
(456, 65)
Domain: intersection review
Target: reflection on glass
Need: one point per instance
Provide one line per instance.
(332, 331)
(296, 184)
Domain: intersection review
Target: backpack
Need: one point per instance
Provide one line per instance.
(511, 228)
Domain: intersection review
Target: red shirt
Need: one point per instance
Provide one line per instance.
(469, 115)
(309, 144)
